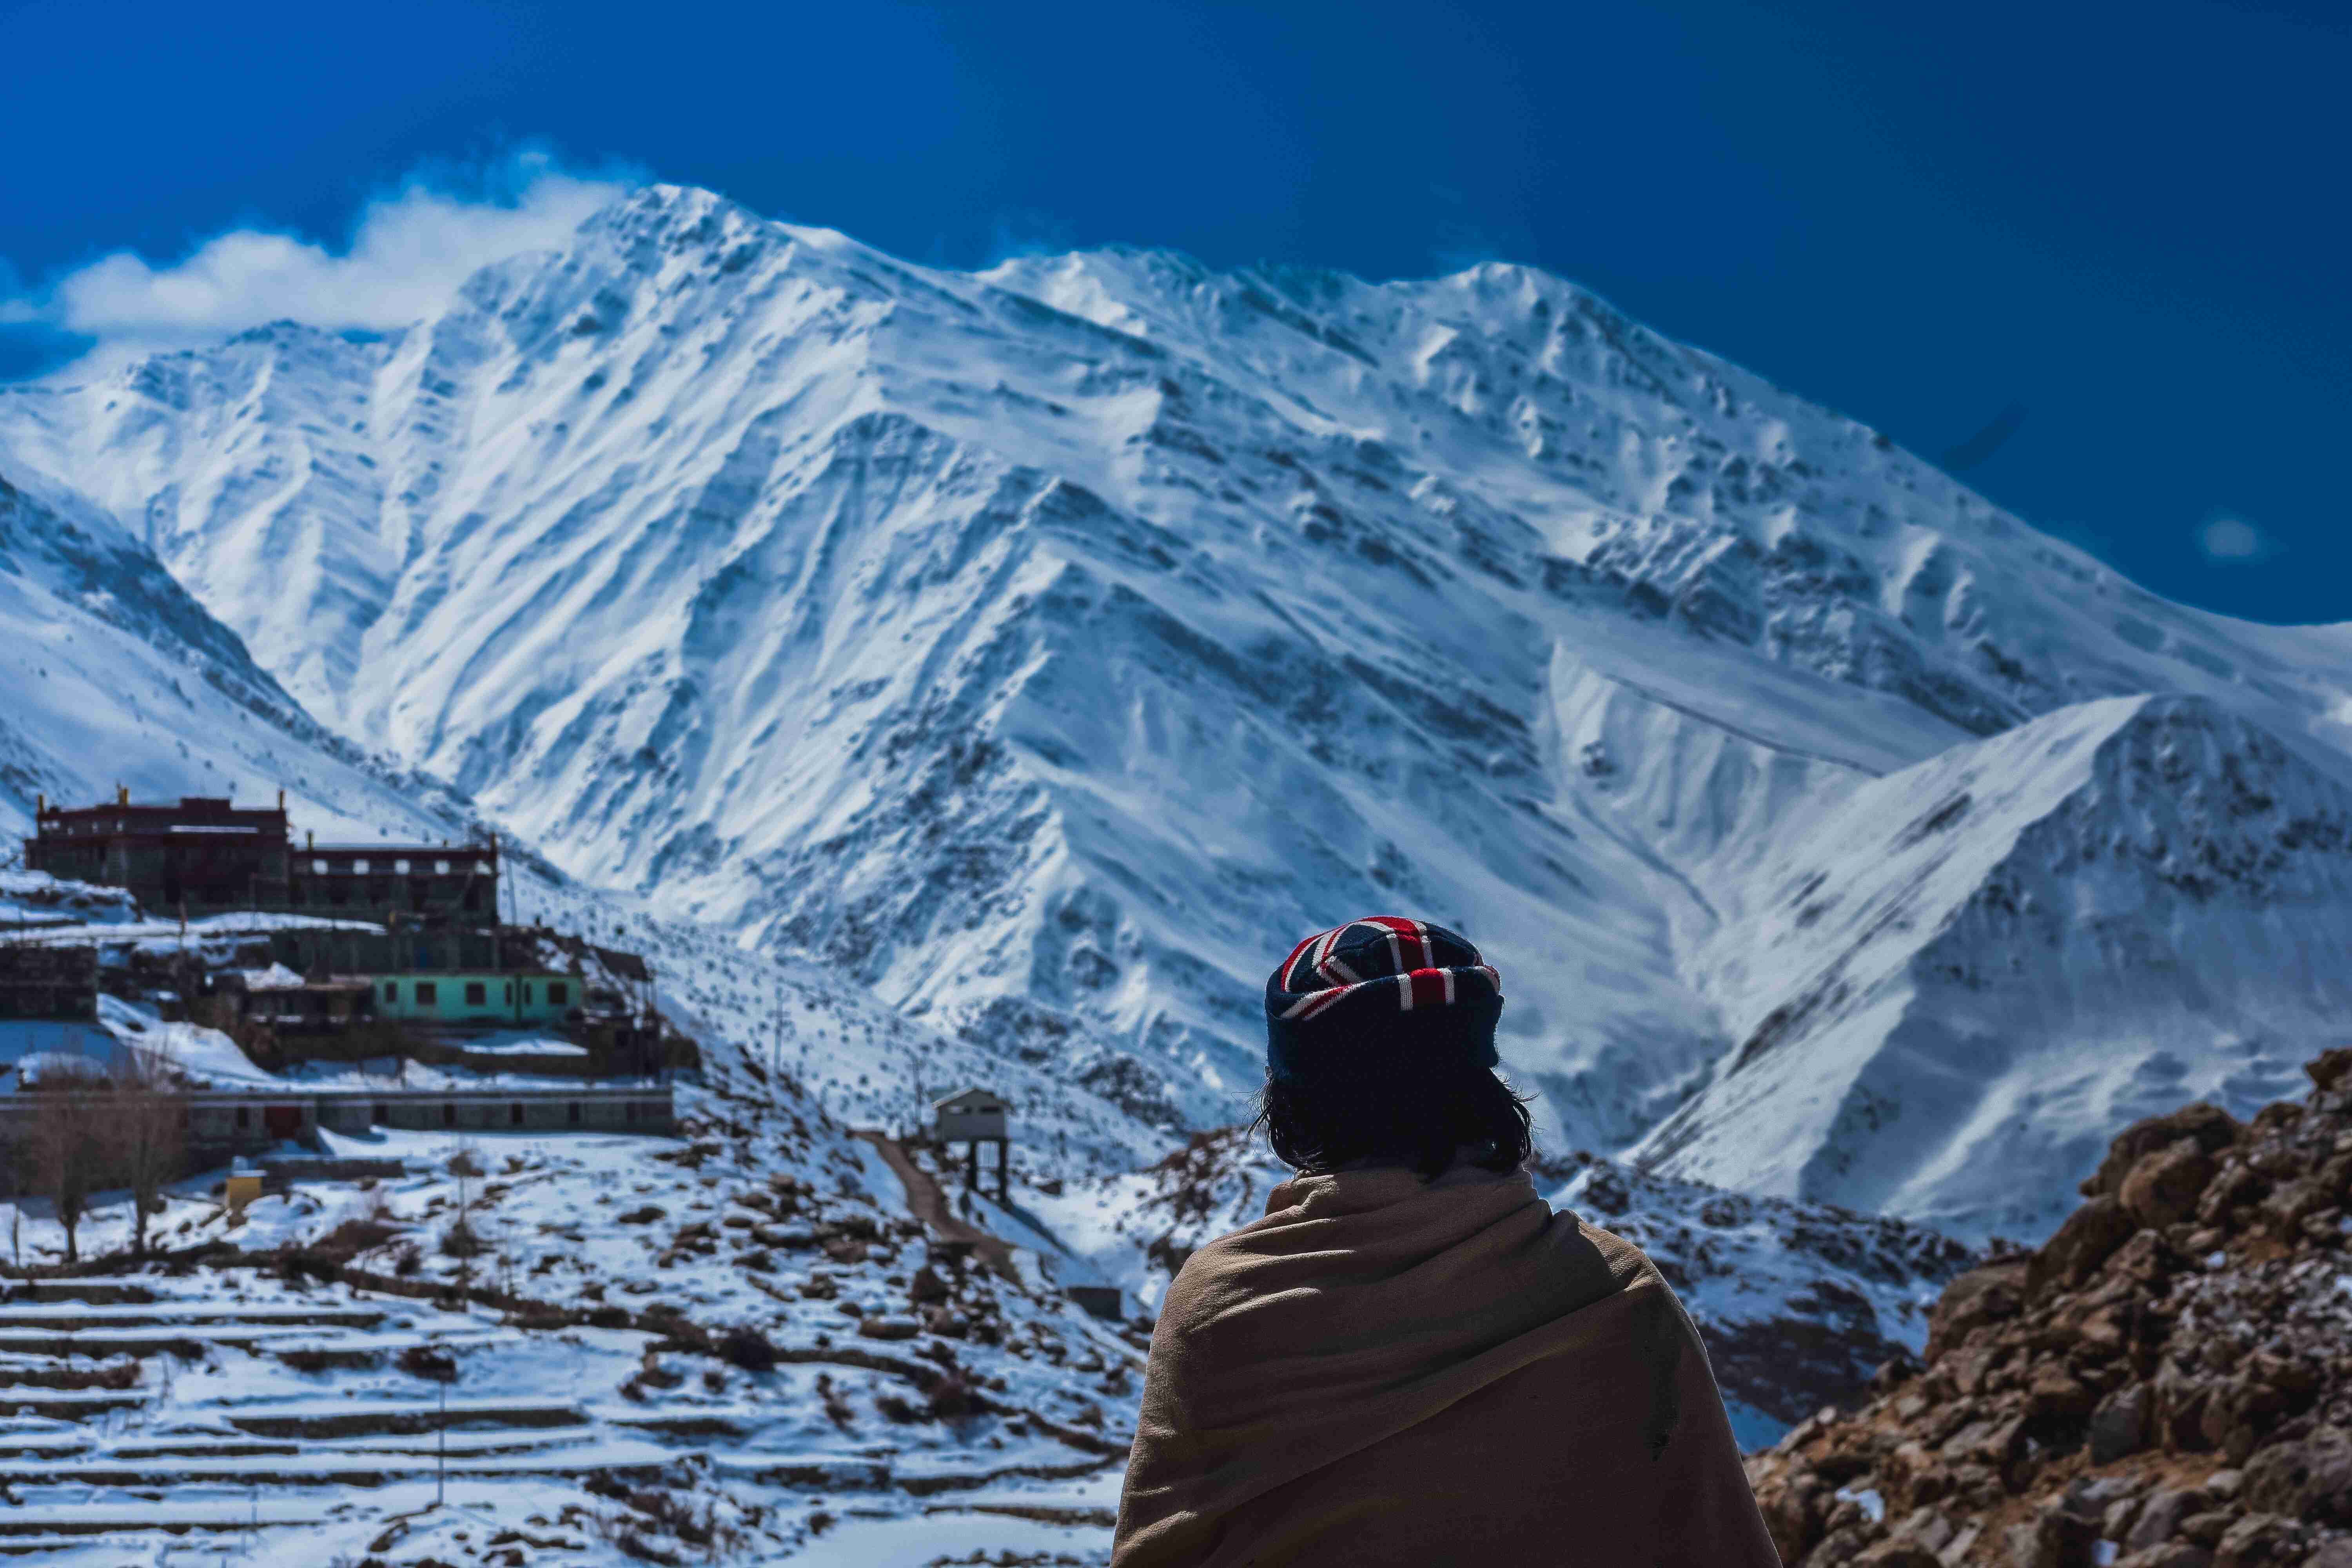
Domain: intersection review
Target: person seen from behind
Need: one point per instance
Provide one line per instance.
(1412, 1359)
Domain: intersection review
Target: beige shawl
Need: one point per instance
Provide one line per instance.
(1384, 1371)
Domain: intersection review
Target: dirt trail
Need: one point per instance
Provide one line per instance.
(931, 1205)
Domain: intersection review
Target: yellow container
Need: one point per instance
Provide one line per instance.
(242, 1190)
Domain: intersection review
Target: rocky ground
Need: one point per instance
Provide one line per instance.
(2164, 1383)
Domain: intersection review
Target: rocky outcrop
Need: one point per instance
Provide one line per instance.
(2164, 1383)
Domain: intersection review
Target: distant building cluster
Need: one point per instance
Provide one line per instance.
(398, 943)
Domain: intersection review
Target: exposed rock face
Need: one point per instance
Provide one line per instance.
(2164, 1384)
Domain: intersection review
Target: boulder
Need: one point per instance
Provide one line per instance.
(1988, 1295)
(2087, 1239)
(2119, 1427)
(2174, 1554)
(2162, 1188)
(2057, 1538)
(2212, 1128)
(2159, 1519)
(2311, 1479)
(2329, 1068)
(2259, 1541)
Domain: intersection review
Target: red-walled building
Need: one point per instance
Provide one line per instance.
(205, 856)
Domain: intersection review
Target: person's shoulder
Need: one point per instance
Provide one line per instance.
(1627, 1264)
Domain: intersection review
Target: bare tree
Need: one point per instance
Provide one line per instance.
(66, 1151)
(148, 1129)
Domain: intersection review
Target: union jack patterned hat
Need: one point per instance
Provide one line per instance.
(1381, 983)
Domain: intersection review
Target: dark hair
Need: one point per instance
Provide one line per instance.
(1423, 1119)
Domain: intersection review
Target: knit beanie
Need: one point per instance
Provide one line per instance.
(1381, 994)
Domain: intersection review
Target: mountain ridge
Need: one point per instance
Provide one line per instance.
(1048, 646)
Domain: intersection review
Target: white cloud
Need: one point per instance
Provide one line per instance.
(2233, 539)
(408, 250)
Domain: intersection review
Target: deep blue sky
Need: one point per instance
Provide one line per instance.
(2131, 221)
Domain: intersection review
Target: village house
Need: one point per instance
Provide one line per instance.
(205, 855)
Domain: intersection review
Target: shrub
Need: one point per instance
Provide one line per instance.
(748, 1347)
(361, 1232)
(432, 1364)
(949, 1398)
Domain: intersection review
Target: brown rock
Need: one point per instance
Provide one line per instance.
(1842, 1546)
(1993, 1442)
(2181, 1399)
(1986, 1295)
(2177, 1555)
(2234, 1188)
(2164, 1185)
(2213, 1128)
(2056, 1394)
(2335, 1553)
(1898, 1555)
(2327, 1069)
(2238, 1413)
(1793, 1515)
(2087, 1239)
(2056, 1539)
(2311, 1479)
(2119, 1427)
(2206, 1529)
(2258, 1540)
(2159, 1519)
(2287, 1208)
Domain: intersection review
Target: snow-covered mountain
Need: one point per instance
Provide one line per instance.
(1957, 982)
(1051, 647)
(114, 676)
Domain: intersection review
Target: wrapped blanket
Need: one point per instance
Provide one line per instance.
(1385, 1371)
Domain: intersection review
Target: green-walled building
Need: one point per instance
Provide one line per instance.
(529, 996)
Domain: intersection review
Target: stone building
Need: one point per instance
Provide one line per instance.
(205, 855)
(57, 984)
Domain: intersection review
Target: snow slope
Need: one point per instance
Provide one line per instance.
(1048, 648)
(1955, 985)
(116, 676)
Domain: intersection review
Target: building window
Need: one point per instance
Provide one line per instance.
(358, 868)
(427, 992)
(477, 993)
(400, 868)
(514, 1114)
(572, 1114)
(391, 991)
(628, 1111)
(506, 992)
(526, 990)
(449, 1114)
(244, 1119)
(556, 992)
(440, 867)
